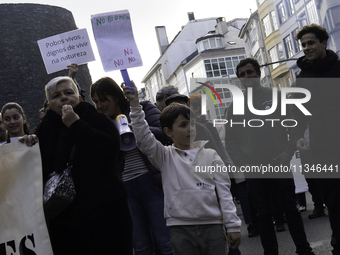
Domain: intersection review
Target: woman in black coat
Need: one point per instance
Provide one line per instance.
(143, 181)
(98, 221)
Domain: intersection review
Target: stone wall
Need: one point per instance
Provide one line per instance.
(22, 72)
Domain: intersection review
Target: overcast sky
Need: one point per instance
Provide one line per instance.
(145, 16)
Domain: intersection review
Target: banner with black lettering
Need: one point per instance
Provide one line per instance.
(22, 222)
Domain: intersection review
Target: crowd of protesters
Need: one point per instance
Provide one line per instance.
(148, 199)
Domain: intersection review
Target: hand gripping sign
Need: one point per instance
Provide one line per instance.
(115, 41)
(61, 50)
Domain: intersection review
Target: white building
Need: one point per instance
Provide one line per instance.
(207, 55)
(182, 46)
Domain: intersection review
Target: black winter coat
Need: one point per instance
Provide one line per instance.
(321, 79)
(95, 160)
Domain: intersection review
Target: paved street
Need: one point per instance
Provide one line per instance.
(317, 230)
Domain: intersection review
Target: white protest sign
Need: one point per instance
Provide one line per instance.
(116, 44)
(299, 179)
(22, 222)
(61, 50)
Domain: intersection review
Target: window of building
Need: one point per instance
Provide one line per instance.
(265, 82)
(289, 81)
(206, 45)
(302, 19)
(281, 12)
(274, 20)
(288, 46)
(267, 27)
(280, 51)
(258, 56)
(217, 67)
(210, 43)
(335, 11)
(297, 43)
(252, 33)
(259, 2)
(273, 57)
(312, 13)
(290, 7)
(161, 76)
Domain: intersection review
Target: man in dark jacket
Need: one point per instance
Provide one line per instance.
(254, 147)
(323, 66)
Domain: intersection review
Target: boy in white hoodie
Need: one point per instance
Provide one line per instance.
(197, 203)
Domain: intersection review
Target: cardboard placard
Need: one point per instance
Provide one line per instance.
(115, 41)
(61, 50)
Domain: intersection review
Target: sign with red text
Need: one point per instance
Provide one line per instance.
(22, 222)
(114, 37)
(61, 50)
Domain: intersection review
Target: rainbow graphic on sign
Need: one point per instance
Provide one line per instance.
(209, 93)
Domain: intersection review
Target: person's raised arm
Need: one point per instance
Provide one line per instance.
(146, 141)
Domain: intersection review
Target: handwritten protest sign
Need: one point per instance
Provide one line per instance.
(116, 44)
(22, 223)
(61, 50)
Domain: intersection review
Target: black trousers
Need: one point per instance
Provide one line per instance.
(107, 230)
(313, 186)
(284, 189)
(330, 189)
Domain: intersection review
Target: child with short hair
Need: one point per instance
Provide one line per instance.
(197, 203)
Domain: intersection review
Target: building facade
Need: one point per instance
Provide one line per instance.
(270, 20)
(330, 19)
(281, 19)
(213, 61)
(182, 46)
(251, 33)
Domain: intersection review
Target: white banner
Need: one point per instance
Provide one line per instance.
(61, 50)
(114, 37)
(22, 223)
(299, 179)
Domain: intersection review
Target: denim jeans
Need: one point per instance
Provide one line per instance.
(261, 189)
(147, 208)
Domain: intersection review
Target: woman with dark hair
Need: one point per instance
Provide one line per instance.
(143, 181)
(15, 122)
(98, 221)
